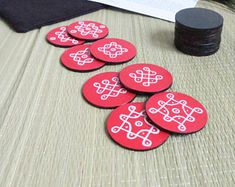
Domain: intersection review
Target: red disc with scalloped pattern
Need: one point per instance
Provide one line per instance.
(59, 37)
(113, 50)
(145, 78)
(78, 58)
(176, 112)
(104, 90)
(88, 30)
(128, 125)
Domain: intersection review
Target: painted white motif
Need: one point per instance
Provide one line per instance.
(63, 36)
(127, 126)
(113, 49)
(109, 89)
(82, 57)
(88, 29)
(146, 76)
(176, 110)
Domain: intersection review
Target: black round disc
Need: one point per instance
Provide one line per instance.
(198, 19)
(196, 51)
(194, 40)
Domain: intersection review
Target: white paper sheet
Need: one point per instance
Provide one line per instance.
(164, 9)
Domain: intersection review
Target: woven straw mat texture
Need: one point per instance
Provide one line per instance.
(49, 136)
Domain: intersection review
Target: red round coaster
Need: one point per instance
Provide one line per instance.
(104, 90)
(113, 50)
(176, 112)
(78, 58)
(146, 78)
(88, 30)
(129, 126)
(59, 37)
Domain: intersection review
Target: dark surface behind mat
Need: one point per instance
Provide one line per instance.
(26, 15)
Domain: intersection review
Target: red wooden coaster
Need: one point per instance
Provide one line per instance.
(78, 58)
(176, 112)
(59, 37)
(88, 30)
(145, 78)
(113, 50)
(104, 91)
(129, 126)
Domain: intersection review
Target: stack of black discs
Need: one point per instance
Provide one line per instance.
(198, 31)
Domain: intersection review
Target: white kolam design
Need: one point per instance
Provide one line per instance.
(176, 110)
(82, 57)
(63, 36)
(113, 49)
(109, 89)
(127, 126)
(88, 29)
(146, 76)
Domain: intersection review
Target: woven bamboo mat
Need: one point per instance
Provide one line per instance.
(49, 136)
